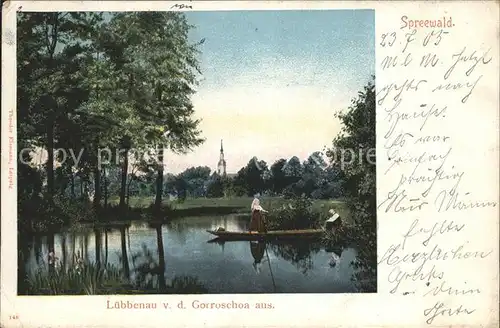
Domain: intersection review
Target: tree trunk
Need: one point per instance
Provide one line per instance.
(37, 248)
(126, 268)
(73, 249)
(63, 183)
(159, 180)
(97, 247)
(86, 190)
(97, 187)
(105, 246)
(50, 160)
(86, 247)
(81, 187)
(128, 189)
(64, 251)
(52, 253)
(123, 188)
(161, 258)
(126, 145)
(73, 195)
(51, 117)
(105, 187)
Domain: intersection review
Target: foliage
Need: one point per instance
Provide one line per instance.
(251, 177)
(164, 210)
(88, 82)
(290, 178)
(215, 186)
(278, 176)
(194, 181)
(297, 213)
(359, 186)
(76, 211)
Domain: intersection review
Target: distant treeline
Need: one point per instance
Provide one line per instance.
(313, 178)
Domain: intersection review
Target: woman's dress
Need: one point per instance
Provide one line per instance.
(257, 222)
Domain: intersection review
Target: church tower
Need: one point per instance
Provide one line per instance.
(221, 167)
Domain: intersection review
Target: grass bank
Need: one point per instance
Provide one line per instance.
(237, 205)
(283, 213)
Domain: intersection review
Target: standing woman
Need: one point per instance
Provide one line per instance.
(257, 220)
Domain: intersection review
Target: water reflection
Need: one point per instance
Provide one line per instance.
(97, 246)
(106, 246)
(301, 254)
(161, 257)
(124, 255)
(258, 249)
(176, 258)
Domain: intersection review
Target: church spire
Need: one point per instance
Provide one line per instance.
(221, 166)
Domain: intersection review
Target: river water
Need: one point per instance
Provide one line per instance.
(231, 267)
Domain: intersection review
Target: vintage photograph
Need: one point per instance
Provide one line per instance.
(200, 152)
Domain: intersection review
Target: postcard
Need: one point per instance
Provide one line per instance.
(250, 164)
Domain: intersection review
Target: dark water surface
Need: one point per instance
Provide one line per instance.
(232, 267)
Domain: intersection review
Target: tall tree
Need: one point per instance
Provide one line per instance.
(358, 135)
(50, 45)
(313, 170)
(278, 180)
(293, 170)
(162, 62)
(251, 177)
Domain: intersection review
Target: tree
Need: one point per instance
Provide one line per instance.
(330, 183)
(313, 169)
(167, 64)
(228, 186)
(196, 179)
(293, 170)
(215, 187)
(87, 83)
(278, 178)
(251, 178)
(358, 135)
(169, 187)
(51, 48)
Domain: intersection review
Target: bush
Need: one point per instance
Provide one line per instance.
(41, 215)
(76, 211)
(297, 213)
(164, 210)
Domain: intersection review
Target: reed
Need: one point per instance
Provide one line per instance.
(80, 279)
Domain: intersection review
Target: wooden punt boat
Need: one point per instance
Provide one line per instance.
(273, 234)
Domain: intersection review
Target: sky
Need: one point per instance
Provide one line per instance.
(272, 81)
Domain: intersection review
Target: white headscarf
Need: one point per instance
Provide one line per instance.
(334, 216)
(256, 205)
